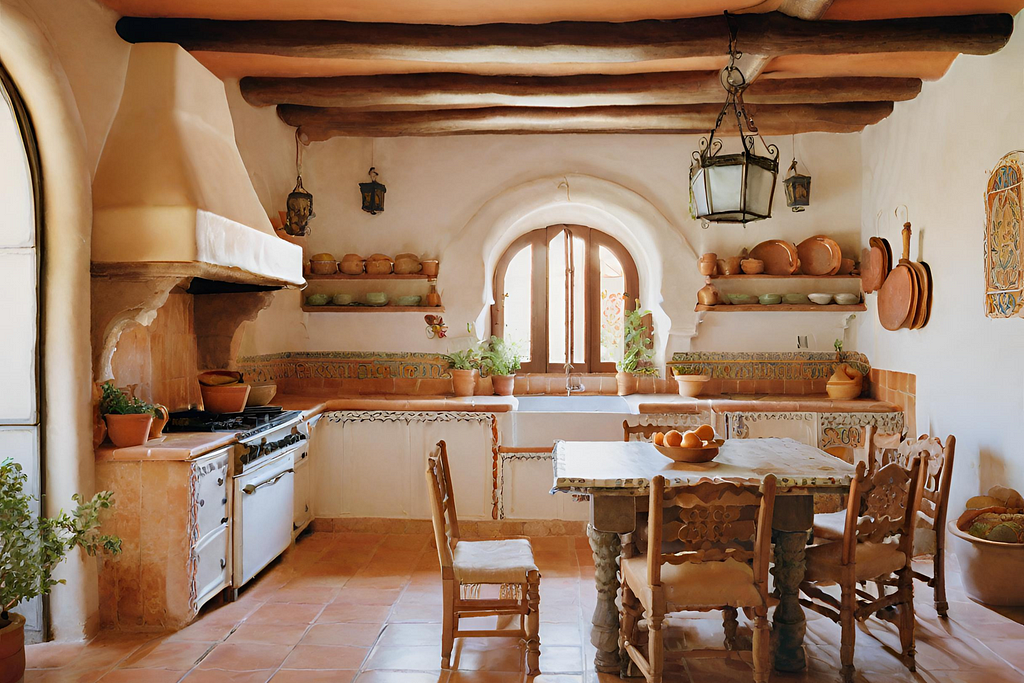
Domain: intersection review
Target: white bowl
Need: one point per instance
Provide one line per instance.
(847, 299)
(820, 299)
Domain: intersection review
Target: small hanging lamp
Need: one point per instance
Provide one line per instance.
(798, 186)
(733, 188)
(300, 202)
(373, 194)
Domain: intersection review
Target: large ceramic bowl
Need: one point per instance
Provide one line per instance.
(691, 385)
(990, 570)
(230, 398)
(261, 394)
(681, 454)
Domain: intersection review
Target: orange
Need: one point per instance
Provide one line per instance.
(691, 440)
(673, 439)
(705, 432)
(659, 439)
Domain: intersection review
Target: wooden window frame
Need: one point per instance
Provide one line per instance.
(540, 239)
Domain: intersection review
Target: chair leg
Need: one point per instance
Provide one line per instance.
(448, 622)
(762, 654)
(627, 623)
(655, 646)
(939, 569)
(533, 623)
(731, 624)
(905, 622)
(847, 622)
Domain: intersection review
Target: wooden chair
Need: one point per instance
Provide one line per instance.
(933, 499)
(881, 507)
(645, 432)
(468, 565)
(707, 549)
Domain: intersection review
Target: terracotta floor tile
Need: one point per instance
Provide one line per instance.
(342, 634)
(285, 613)
(52, 655)
(385, 676)
(406, 612)
(403, 635)
(222, 676)
(370, 596)
(311, 595)
(308, 676)
(245, 656)
(325, 657)
(409, 658)
(171, 654)
(343, 612)
(141, 676)
(63, 676)
(486, 677)
(280, 634)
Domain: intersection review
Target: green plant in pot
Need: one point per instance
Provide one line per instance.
(465, 369)
(502, 360)
(128, 418)
(637, 351)
(31, 548)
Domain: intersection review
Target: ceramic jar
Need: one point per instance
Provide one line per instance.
(708, 294)
(464, 381)
(708, 263)
(752, 266)
(729, 266)
(625, 383)
(430, 267)
(159, 421)
(503, 384)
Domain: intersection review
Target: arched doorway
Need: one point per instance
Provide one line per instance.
(21, 411)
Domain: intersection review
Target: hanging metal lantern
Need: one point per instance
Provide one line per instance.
(798, 189)
(733, 188)
(373, 194)
(300, 210)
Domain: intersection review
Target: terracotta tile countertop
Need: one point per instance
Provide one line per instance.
(174, 446)
(820, 403)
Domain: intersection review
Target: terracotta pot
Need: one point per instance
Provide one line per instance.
(503, 384)
(691, 385)
(430, 267)
(708, 294)
(626, 383)
(229, 398)
(464, 381)
(708, 264)
(752, 266)
(729, 266)
(433, 299)
(990, 571)
(159, 422)
(12, 650)
(129, 430)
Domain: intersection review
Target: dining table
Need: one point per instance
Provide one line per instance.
(615, 473)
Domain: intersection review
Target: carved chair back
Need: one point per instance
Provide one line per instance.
(710, 522)
(442, 504)
(936, 473)
(882, 504)
(646, 432)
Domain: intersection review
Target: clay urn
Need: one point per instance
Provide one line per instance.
(752, 266)
(708, 294)
(708, 264)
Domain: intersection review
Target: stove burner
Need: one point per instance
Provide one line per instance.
(254, 418)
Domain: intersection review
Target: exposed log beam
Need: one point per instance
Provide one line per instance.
(753, 65)
(772, 33)
(455, 91)
(318, 123)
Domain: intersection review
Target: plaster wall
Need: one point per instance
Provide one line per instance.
(463, 199)
(934, 154)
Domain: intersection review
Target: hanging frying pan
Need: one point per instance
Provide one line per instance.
(898, 297)
(927, 303)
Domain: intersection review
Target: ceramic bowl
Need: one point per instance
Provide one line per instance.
(353, 266)
(820, 298)
(317, 300)
(702, 454)
(227, 399)
(769, 299)
(341, 299)
(843, 391)
(261, 394)
(323, 267)
(795, 299)
(429, 267)
(742, 298)
(752, 266)
(691, 385)
(409, 300)
(377, 298)
(847, 299)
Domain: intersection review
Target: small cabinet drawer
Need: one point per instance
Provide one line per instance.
(213, 570)
(212, 509)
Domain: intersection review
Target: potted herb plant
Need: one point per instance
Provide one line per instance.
(465, 369)
(637, 351)
(502, 361)
(32, 548)
(128, 418)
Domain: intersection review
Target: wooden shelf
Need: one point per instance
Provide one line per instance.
(373, 309)
(781, 308)
(766, 276)
(364, 276)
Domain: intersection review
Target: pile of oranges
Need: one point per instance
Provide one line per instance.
(695, 438)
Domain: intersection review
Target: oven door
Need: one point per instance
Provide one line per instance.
(264, 498)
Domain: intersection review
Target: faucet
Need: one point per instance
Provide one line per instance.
(573, 382)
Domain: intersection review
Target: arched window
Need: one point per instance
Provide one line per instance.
(561, 293)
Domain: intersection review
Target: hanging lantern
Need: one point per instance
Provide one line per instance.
(373, 194)
(798, 189)
(300, 210)
(733, 188)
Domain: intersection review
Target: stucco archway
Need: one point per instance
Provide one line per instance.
(585, 200)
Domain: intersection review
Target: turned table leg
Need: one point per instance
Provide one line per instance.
(794, 516)
(604, 634)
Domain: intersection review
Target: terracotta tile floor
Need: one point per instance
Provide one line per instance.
(358, 607)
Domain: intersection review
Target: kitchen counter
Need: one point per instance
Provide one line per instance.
(813, 403)
(173, 446)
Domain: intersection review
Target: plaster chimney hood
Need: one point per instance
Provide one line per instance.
(171, 195)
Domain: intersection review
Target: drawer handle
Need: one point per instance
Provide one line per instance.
(303, 456)
(223, 563)
(224, 501)
(252, 488)
(202, 502)
(223, 520)
(220, 481)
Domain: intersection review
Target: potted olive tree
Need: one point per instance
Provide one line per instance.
(465, 369)
(128, 418)
(31, 548)
(637, 351)
(502, 361)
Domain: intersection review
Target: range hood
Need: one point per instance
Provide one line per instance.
(171, 194)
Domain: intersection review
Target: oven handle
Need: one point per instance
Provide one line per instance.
(252, 488)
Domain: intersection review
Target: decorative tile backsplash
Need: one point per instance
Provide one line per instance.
(764, 372)
(343, 365)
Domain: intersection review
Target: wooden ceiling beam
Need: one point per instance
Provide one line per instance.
(321, 123)
(772, 33)
(455, 91)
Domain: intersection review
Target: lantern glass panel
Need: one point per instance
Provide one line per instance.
(699, 190)
(760, 183)
(726, 187)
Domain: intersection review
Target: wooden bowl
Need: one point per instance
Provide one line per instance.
(680, 454)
